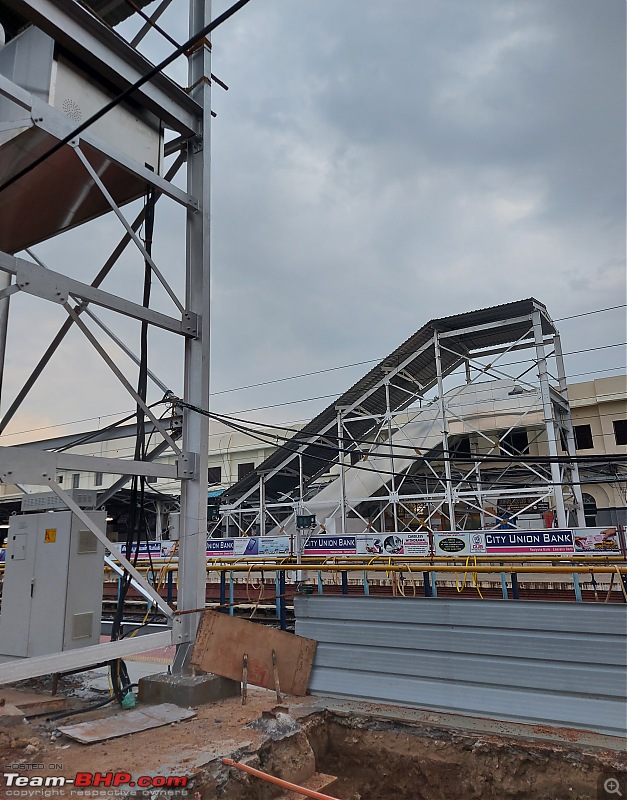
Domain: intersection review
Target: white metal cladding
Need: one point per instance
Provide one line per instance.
(537, 662)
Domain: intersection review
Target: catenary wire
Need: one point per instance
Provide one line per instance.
(378, 360)
(241, 426)
(285, 446)
(323, 397)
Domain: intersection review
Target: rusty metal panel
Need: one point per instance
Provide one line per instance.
(525, 661)
(97, 730)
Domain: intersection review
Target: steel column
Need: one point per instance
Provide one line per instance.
(393, 493)
(340, 444)
(569, 434)
(549, 419)
(447, 462)
(5, 282)
(192, 559)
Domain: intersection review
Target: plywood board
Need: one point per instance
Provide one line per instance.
(223, 640)
(126, 722)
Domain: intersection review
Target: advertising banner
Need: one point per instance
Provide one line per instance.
(495, 542)
(366, 544)
(393, 544)
(591, 541)
(506, 542)
(154, 548)
(330, 546)
(457, 543)
(596, 541)
(247, 546)
(520, 542)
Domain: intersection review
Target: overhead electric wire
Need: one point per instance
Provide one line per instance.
(440, 457)
(337, 368)
(588, 313)
(155, 25)
(378, 360)
(92, 434)
(414, 410)
(130, 90)
(225, 419)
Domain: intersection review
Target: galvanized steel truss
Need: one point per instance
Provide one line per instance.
(188, 114)
(412, 494)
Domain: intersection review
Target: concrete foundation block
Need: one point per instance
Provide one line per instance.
(186, 690)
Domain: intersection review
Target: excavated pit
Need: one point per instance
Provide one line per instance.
(375, 759)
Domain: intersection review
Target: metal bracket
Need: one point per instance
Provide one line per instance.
(27, 465)
(49, 285)
(186, 466)
(189, 324)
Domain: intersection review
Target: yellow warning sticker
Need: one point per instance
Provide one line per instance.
(51, 535)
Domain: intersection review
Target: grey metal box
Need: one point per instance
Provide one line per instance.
(47, 501)
(52, 593)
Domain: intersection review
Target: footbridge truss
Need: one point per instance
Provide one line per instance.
(465, 424)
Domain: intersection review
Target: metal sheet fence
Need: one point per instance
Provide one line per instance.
(536, 662)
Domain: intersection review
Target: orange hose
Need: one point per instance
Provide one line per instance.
(278, 781)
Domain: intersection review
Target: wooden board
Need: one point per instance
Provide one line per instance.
(31, 703)
(126, 722)
(223, 640)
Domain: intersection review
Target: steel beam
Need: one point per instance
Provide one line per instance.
(120, 376)
(20, 669)
(443, 419)
(135, 359)
(63, 330)
(112, 490)
(51, 285)
(486, 326)
(117, 211)
(98, 47)
(55, 461)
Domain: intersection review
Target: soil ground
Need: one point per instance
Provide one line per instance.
(374, 759)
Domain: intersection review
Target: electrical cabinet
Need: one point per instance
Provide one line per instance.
(52, 591)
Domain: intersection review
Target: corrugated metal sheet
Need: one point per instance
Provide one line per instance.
(506, 326)
(534, 662)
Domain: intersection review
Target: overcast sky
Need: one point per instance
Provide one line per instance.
(377, 165)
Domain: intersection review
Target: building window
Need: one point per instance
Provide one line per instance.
(620, 431)
(59, 478)
(151, 479)
(214, 475)
(98, 479)
(515, 441)
(76, 480)
(245, 469)
(583, 437)
(589, 510)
